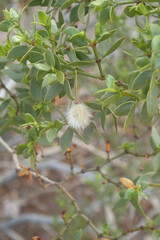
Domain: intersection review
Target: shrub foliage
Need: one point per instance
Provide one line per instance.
(120, 42)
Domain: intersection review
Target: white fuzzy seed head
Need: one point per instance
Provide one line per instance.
(78, 116)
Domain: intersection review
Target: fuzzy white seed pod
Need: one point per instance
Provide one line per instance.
(78, 116)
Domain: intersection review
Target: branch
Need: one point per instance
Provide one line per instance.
(98, 60)
(141, 228)
(11, 95)
(53, 183)
(133, 1)
(13, 153)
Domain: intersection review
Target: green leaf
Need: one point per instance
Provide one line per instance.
(110, 81)
(155, 59)
(35, 88)
(39, 2)
(124, 108)
(143, 10)
(108, 90)
(4, 104)
(127, 146)
(43, 141)
(152, 101)
(157, 220)
(29, 118)
(153, 81)
(18, 52)
(114, 47)
(98, 29)
(81, 11)
(74, 14)
(77, 235)
(48, 79)
(137, 206)
(66, 139)
(88, 133)
(121, 204)
(3, 59)
(71, 31)
(155, 235)
(28, 109)
(131, 76)
(97, 4)
(68, 90)
(57, 63)
(60, 77)
(54, 27)
(60, 18)
(53, 91)
(26, 153)
(104, 15)
(11, 111)
(5, 25)
(94, 105)
(141, 79)
(71, 55)
(128, 194)
(42, 17)
(156, 162)
(106, 35)
(40, 74)
(79, 39)
(144, 115)
(20, 148)
(35, 56)
(67, 4)
(58, 124)
(80, 63)
(155, 137)
(50, 58)
(82, 56)
(17, 77)
(32, 134)
(156, 43)
(51, 134)
(128, 12)
(41, 66)
(110, 100)
(155, 29)
(130, 116)
(143, 180)
(43, 33)
(142, 62)
(14, 13)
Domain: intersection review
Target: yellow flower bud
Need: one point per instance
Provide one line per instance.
(127, 183)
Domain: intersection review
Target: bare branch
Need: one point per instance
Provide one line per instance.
(12, 151)
(49, 182)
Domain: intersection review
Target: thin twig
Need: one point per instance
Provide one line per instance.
(67, 225)
(12, 151)
(50, 182)
(11, 95)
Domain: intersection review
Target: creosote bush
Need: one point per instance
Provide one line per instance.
(52, 62)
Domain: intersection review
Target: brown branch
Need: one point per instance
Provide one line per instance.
(141, 228)
(53, 183)
(13, 153)
(108, 180)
